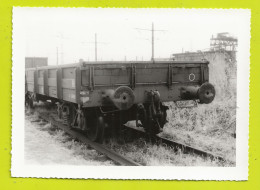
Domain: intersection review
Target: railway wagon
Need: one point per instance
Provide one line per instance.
(99, 97)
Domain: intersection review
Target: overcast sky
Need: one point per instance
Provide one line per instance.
(72, 31)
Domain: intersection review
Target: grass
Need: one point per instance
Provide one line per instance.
(138, 150)
(78, 149)
(208, 127)
(211, 127)
(158, 155)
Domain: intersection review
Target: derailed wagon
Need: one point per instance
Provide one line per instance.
(100, 97)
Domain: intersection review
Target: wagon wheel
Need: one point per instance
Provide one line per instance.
(153, 125)
(121, 134)
(81, 121)
(68, 114)
(59, 110)
(96, 127)
(29, 101)
(163, 116)
(141, 115)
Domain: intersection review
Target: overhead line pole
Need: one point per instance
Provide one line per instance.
(152, 42)
(96, 47)
(152, 30)
(61, 38)
(95, 42)
(57, 51)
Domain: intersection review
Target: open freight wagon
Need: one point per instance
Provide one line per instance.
(133, 90)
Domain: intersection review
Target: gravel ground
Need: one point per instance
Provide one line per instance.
(45, 145)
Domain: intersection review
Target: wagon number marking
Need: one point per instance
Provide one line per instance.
(191, 77)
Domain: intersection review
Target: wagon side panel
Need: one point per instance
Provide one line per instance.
(40, 82)
(30, 80)
(68, 84)
(52, 82)
(168, 79)
(109, 77)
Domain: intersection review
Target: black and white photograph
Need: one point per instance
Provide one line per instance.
(117, 93)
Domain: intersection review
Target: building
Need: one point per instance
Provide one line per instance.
(31, 62)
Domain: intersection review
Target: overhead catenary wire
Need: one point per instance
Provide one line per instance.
(95, 42)
(152, 39)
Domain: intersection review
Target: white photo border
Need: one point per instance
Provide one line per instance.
(239, 172)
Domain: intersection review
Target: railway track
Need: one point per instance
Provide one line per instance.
(121, 160)
(117, 158)
(186, 149)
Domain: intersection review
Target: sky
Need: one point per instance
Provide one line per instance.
(70, 32)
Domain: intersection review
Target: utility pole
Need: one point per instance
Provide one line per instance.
(152, 42)
(61, 39)
(61, 55)
(57, 51)
(96, 47)
(152, 30)
(95, 42)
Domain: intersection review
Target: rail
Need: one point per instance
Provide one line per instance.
(119, 159)
(177, 145)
